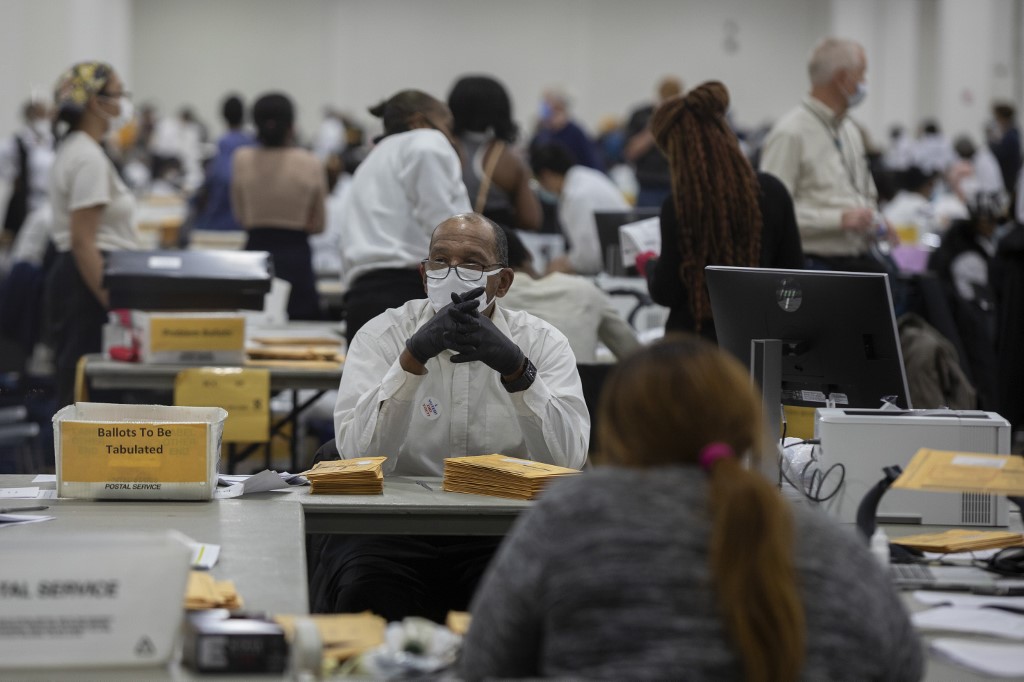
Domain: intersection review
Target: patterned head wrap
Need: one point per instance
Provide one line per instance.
(80, 82)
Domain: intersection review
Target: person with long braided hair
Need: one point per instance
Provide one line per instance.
(676, 559)
(720, 211)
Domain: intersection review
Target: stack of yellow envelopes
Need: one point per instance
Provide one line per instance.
(203, 592)
(500, 476)
(363, 476)
(343, 635)
(961, 540)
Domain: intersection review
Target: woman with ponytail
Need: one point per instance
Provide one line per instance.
(720, 211)
(93, 212)
(675, 559)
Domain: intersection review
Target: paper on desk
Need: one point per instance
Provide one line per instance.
(636, 238)
(47, 495)
(947, 471)
(45, 478)
(8, 520)
(25, 493)
(204, 555)
(243, 485)
(971, 620)
(962, 599)
(1001, 660)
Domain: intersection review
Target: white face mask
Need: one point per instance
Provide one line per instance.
(41, 127)
(127, 112)
(858, 95)
(440, 291)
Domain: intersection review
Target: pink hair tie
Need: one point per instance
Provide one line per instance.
(713, 452)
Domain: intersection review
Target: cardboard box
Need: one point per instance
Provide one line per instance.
(137, 452)
(190, 338)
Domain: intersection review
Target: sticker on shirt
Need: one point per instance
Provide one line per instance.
(430, 408)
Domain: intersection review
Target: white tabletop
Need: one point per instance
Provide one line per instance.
(264, 553)
(409, 506)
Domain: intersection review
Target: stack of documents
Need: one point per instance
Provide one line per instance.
(347, 477)
(343, 635)
(953, 541)
(203, 592)
(500, 476)
(949, 471)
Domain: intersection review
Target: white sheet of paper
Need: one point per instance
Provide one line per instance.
(26, 493)
(45, 478)
(264, 481)
(47, 495)
(8, 520)
(636, 238)
(964, 556)
(234, 490)
(936, 597)
(231, 479)
(971, 620)
(1003, 660)
(204, 555)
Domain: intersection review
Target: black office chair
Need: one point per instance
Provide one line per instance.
(592, 377)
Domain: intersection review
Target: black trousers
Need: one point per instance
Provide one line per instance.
(396, 576)
(77, 320)
(375, 292)
(293, 262)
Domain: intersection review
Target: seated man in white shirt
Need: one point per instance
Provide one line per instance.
(580, 191)
(573, 304)
(453, 375)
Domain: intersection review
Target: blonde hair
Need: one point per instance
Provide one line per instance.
(663, 405)
(832, 55)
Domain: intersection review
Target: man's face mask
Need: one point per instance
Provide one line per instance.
(443, 281)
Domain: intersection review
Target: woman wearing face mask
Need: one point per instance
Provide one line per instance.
(278, 194)
(409, 184)
(93, 212)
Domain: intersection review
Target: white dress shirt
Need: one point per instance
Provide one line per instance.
(408, 184)
(911, 208)
(821, 161)
(578, 309)
(458, 410)
(585, 191)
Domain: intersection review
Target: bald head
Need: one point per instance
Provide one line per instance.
(482, 240)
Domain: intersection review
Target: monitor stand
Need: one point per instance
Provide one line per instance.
(766, 373)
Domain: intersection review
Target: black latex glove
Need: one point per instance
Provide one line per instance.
(477, 339)
(439, 331)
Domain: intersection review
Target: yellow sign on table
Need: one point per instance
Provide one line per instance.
(155, 453)
(172, 333)
(243, 392)
(947, 471)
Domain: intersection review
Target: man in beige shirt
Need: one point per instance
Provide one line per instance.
(818, 153)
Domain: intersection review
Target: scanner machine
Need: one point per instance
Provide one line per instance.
(865, 440)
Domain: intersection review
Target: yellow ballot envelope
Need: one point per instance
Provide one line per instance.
(948, 471)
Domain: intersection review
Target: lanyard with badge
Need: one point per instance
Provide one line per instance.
(851, 169)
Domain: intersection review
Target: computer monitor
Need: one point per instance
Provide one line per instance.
(608, 224)
(812, 338)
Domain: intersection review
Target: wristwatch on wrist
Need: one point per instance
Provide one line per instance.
(525, 379)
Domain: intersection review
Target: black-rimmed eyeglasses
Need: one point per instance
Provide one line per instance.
(467, 272)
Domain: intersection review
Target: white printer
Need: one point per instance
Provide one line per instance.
(865, 440)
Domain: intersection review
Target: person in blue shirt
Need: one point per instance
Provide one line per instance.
(212, 201)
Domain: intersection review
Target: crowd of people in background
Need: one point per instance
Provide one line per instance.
(767, 199)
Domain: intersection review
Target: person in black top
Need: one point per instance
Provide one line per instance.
(720, 211)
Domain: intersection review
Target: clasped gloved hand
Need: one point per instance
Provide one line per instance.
(477, 339)
(438, 333)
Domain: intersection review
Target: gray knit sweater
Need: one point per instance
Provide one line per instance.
(607, 577)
